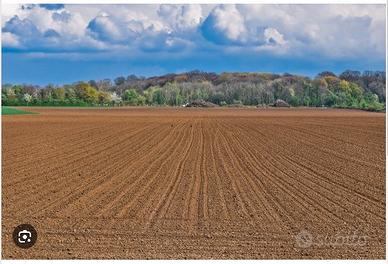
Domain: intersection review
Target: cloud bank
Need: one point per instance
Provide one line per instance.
(334, 30)
(301, 32)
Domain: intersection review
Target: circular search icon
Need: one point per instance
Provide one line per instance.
(24, 236)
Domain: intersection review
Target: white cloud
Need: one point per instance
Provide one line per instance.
(225, 25)
(328, 30)
(273, 37)
(335, 31)
(10, 40)
(183, 17)
(103, 27)
(229, 25)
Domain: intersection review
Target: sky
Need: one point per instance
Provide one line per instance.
(57, 43)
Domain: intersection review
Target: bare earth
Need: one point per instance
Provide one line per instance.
(194, 183)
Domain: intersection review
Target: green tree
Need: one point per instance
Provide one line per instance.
(119, 80)
(70, 94)
(131, 97)
(59, 94)
(104, 98)
(27, 98)
(148, 95)
(344, 87)
(86, 93)
(159, 98)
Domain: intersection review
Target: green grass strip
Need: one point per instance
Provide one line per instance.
(5, 110)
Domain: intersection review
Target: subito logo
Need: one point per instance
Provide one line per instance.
(304, 239)
(24, 236)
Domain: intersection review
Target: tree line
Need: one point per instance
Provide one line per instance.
(350, 89)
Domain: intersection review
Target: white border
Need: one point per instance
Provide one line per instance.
(195, 2)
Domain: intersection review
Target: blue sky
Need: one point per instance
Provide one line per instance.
(66, 43)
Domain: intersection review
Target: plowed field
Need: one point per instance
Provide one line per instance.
(194, 183)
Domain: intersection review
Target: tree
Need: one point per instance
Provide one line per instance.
(93, 83)
(104, 98)
(59, 94)
(172, 94)
(86, 93)
(217, 98)
(326, 74)
(350, 89)
(91, 95)
(344, 87)
(377, 87)
(104, 85)
(351, 76)
(11, 94)
(332, 83)
(115, 99)
(141, 100)
(132, 78)
(158, 97)
(18, 89)
(119, 80)
(355, 91)
(131, 96)
(148, 95)
(321, 89)
(70, 94)
(27, 98)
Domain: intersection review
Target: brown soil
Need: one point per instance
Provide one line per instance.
(194, 183)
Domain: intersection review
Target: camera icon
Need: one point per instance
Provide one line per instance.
(24, 236)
